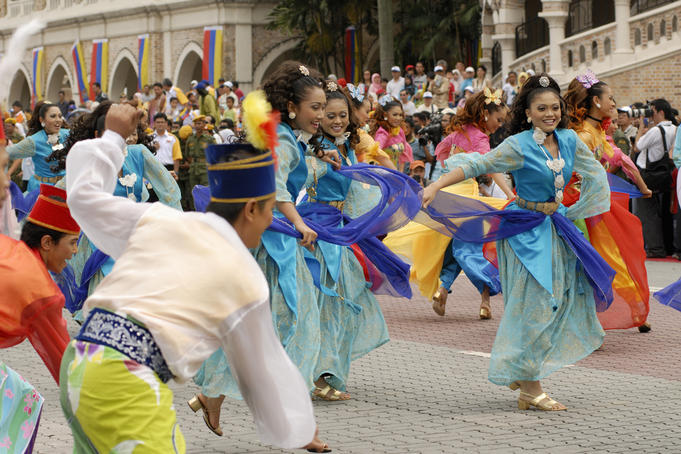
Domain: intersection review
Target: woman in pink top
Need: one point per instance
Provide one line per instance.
(387, 131)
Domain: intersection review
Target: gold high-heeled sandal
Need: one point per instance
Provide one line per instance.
(439, 301)
(195, 404)
(541, 402)
(485, 313)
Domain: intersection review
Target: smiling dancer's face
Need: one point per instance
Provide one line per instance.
(545, 111)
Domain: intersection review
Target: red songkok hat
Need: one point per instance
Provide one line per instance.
(51, 213)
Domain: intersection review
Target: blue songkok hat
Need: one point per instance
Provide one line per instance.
(239, 180)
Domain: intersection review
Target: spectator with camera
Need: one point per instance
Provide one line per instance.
(654, 144)
(626, 123)
(417, 170)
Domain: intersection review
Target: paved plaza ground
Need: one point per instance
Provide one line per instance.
(426, 391)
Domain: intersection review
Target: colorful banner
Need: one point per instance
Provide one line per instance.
(37, 92)
(81, 74)
(99, 71)
(212, 54)
(143, 61)
(352, 56)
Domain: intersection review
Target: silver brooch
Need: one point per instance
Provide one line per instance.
(544, 81)
(331, 86)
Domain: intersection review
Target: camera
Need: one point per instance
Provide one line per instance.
(643, 111)
(432, 132)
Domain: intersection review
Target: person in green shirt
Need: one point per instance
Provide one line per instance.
(208, 105)
(194, 153)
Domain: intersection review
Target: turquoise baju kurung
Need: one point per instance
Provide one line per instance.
(139, 165)
(36, 147)
(293, 295)
(549, 316)
(351, 321)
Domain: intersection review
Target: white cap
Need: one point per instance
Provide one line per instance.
(193, 83)
(395, 69)
(438, 68)
(470, 69)
(228, 84)
(469, 88)
(427, 95)
(531, 72)
(449, 111)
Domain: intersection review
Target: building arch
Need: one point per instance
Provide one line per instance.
(20, 88)
(189, 66)
(59, 78)
(123, 77)
(278, 54)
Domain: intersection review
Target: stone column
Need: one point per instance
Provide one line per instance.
(243, 41)
(622, 34)
(487, 41)
(507, 15)
(556, 18)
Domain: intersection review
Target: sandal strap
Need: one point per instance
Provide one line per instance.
(536, 401)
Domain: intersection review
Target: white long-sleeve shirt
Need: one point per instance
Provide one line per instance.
(205, 291)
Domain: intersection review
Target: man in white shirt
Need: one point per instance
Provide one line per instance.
(408, 106)
(396, 85)
(654, 212)
(225, 91)
(625, 122)
(428, 105)
(173, 319)
(168, 150)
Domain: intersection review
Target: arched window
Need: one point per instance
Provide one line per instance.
(606, 46)
(675, 24)
(570, 60)
(651, 32)
(543, 65)
(594, 50)
(663, 28)
(582, 54)
(637, 37)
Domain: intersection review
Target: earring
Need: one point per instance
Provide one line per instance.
(42, 124)
(485, 118)
(598, 105)
(292, 115)
(529, 120)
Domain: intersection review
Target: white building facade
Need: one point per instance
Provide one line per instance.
(633, 45)
(175, 29)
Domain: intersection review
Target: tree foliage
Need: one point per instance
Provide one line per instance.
(424, 29)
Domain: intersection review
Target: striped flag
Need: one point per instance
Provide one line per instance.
(99, 71)
(143, 65)
(38, 58)
(81, 74)
(352, 56)
(212, 54)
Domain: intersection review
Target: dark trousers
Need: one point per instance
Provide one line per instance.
(656, 220)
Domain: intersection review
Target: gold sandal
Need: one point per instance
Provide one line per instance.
(329, 393)
(515, 385)
(439, 301)
(195, 404)
(538, 402)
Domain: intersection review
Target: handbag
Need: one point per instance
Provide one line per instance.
(658, 174)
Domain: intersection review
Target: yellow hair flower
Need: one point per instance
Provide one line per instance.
(492, 97)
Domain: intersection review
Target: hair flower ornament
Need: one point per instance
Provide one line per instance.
(588, 79)
(544, 81)
(303, 70)
(492, 97)
(260, 122)
(331, 86)
(355, 93)
(385, 99)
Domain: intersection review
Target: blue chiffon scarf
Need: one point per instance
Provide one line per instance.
(400, 201)
(473, 221)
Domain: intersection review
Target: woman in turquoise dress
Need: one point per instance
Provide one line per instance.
(549, 318)
(351, 321)
(295, 91)
(90, 265)
(45, 137)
